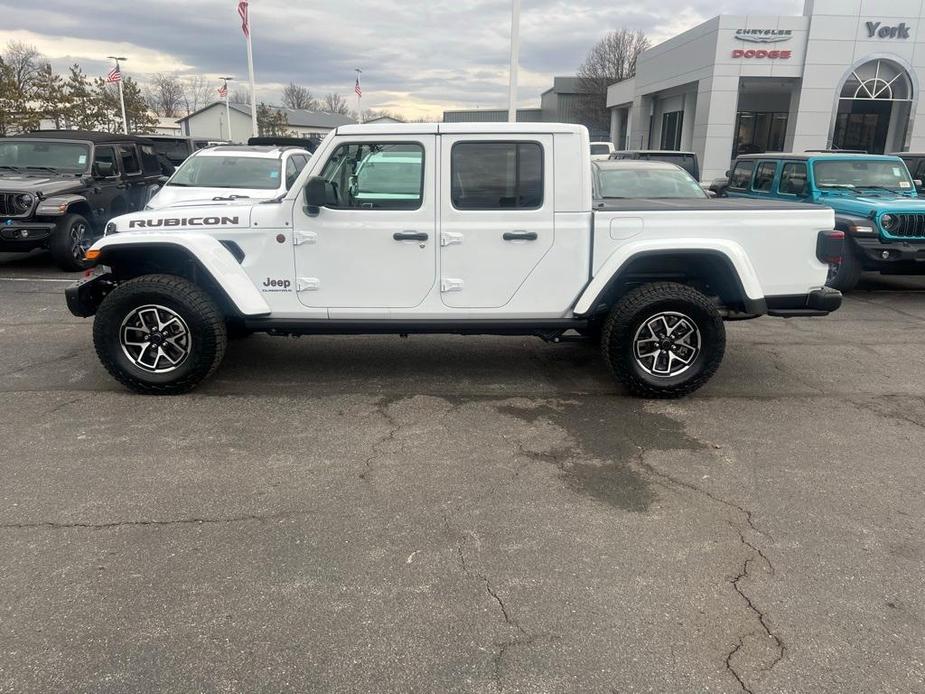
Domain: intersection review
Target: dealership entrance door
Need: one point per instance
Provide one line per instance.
(874, 109)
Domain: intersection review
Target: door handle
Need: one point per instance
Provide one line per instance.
(410, 236)
(520, 236)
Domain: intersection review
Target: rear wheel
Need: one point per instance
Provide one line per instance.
(69, 241)
(664, 340)
(159, 334)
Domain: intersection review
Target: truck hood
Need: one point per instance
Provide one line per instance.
(45, 183)
(176, 196)
(199, 218)
(864, 205)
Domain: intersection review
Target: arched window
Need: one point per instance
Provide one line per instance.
(878, 80)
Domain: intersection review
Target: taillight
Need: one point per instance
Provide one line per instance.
(830, 246)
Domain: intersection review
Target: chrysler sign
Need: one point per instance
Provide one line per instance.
(764, 35)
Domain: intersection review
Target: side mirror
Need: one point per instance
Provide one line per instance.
(712, 194)
(719, 187)
(728, 174)
(104, 169)
(917, 183)
(318, 193)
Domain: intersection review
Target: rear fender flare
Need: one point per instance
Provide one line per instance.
(208, 253)
(729, 252)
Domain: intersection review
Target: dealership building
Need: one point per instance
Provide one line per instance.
(844, 75)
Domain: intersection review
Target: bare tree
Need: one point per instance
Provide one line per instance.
(297, 97)
(239, 96)
(612, 59)
(24, 63)
(198, 92)
(336, 104)
(165, 95)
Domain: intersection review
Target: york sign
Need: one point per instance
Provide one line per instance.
(876, 29)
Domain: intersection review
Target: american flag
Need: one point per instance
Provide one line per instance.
(245, 23)
(223, 91)
(359, 92)
(115, 75)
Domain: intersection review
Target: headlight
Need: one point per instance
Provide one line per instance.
(22, 203)
(889, 222)
(111, 228)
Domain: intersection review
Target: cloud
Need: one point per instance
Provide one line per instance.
(418, 57)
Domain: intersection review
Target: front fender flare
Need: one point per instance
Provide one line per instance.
(619, 260)
(208, 252)
(58, 205)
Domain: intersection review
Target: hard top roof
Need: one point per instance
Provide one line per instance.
(805, 156)
(636, 164)
(653, 151)
(264, 151)
(487, 128)
(85, 135)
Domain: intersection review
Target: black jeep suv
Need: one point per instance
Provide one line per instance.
(59, 188)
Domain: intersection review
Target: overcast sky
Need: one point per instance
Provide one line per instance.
(418, 57)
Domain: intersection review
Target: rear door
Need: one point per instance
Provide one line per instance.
(133, 177)
(497, 215)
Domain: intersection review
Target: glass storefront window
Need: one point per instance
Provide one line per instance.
(758, 132)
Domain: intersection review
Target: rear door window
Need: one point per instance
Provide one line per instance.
(131, 166)
(497, 175)
(741, 175)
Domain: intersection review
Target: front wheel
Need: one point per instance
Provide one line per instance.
(664, 340)
(159, 334)
(69, 241)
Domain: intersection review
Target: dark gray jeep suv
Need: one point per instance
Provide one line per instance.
(59, 188)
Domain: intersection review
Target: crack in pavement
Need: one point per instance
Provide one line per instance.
(54, 525)
(382, 407)
(502, 646)
(744, 572)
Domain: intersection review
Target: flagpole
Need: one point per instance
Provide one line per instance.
(359, 96)
(121, 93)
(226, 80)
(515, 55)
(122, 101)
(250, 73)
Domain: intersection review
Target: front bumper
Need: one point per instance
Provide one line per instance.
(14, 232)
(819, 302)
(85, 297)
(898, 252)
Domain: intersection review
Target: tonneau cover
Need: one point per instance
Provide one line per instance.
(694, 204)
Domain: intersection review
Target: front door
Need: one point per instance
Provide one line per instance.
(374, 246)
(108, 193)
(497, 216)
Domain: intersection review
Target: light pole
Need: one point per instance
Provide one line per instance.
(515, 55)
(121, 93)
(226, 80)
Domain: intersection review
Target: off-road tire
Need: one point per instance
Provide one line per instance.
(62, 244)
(848, 273)
(208, 337)
(642, 304)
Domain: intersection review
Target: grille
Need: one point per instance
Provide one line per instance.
(909, 226)
(9, 208)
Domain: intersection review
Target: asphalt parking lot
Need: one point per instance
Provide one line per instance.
(443, 514)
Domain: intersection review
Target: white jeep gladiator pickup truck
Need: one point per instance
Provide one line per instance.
(474, 228)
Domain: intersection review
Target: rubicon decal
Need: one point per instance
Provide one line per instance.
(182, 222)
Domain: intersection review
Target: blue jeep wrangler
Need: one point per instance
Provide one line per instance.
(874, 198)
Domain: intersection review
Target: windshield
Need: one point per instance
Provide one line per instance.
(228, 172)
(647, 183)
(861, 173)
(600, 149)
(70, 157)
